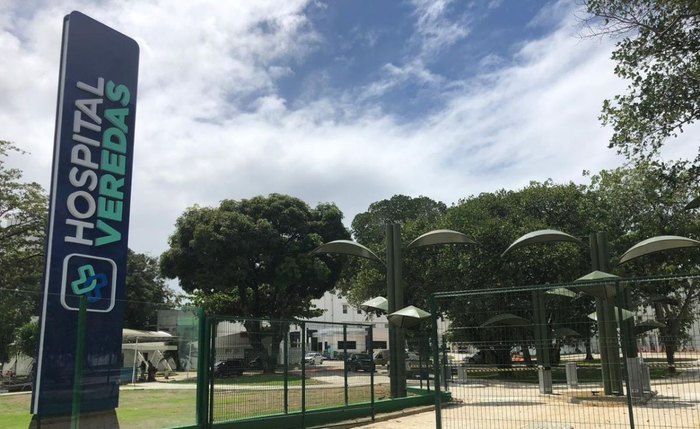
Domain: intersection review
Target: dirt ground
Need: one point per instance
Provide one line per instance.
(481, 405)
(424, 420)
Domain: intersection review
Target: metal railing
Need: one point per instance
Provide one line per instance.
(260, 368)
(518, 357)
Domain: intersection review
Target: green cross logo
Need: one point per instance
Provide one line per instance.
(89, 283)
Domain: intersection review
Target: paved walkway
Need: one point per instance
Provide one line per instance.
(421, 420)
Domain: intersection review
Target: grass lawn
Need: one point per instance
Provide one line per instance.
(14, 411)
(137, 409)
(231, 405)
(586, 371)
(155, 408)
(260, 379)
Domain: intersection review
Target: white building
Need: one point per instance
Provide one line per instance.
(337, 309)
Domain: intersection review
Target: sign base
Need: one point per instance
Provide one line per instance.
(95, 420)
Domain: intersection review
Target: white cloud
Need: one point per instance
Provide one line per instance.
(211, 125)
(434, 31)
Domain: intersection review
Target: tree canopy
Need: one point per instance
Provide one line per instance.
(365, 279)
(659, 55)
(23, 210)
(146, 292)
(495, 220)
(250, 258)
(634, 204)
(629, 203)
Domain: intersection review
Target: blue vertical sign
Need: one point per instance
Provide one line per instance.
(86, 249)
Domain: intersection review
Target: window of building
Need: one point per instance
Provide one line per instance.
(351, 345)
(345, 309)
(376, 345)
(359, 311)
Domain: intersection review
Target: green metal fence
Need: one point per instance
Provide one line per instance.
(262, 368)
(533, 356)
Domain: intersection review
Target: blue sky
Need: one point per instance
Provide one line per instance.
(427, 49)
(343, 101)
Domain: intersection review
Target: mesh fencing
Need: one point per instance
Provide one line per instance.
(268, 367)
(547, 357)
(157, 374)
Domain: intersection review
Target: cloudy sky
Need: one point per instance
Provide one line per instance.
(343, 101)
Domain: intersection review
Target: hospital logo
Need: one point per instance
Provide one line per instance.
(90, 276)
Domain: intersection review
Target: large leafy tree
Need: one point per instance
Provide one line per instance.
(636, 203)
(23, 209)
(495, 220)
(26, 339)
(250, 258)
(365, 279)
(658, 53)
(146, 292)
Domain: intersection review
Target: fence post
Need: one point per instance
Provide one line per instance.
(79, 359)
(286, 367)
(436, 365)
(445, 363)
(212, 358)
(345, 362)
(625, 369)
(372, 369)
(202, 372)
(303, 375)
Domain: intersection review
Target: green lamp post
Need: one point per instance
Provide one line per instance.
(541, 327)
(393, 265)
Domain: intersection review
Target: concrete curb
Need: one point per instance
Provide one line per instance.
(348, 424)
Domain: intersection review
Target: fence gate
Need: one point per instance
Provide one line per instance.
(533, 357)
(285, 372)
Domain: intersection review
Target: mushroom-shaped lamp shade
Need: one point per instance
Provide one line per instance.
(408, 317)
(346, 247)
(375, 304)
(441, 236)
(657, 244)
(540, 236)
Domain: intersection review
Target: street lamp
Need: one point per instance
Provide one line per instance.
(606, 313)
(379, 304)
(657, 244)
(395, 300)
(541, 331)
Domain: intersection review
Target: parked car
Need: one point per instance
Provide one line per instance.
(229, 368)
(360, 361)
(412, 356)
(381, 357)
(477, 358)
(313, 359)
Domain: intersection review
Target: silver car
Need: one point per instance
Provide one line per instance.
(313, 359)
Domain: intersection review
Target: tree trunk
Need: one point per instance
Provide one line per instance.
(670, 358)
(502, 357)
(589, 351)
(278, 335)
(669, 335)
(255, 337)
(555, 353)
(527, 357)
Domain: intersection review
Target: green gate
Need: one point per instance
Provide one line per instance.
(527, 357)
(286, 373)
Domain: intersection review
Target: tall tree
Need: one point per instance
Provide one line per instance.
(659, 55)
(250, 258)
(23, 209)
(636, 203)
(364, 279)
(495, 220)
(146, 292)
